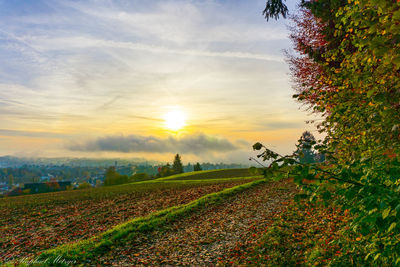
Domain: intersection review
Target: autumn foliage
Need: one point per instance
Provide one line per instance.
(308, 41)
(347, 69)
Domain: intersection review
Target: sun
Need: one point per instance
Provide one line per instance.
(175, 120)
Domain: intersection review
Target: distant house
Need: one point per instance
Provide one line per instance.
(14, 192)
(47, 177)
(3, 188)
(44, 178)
(46, 187)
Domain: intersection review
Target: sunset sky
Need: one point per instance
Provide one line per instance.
(99, 78)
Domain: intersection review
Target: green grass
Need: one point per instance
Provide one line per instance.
(203, 181)
(89, 248)
(211, 174)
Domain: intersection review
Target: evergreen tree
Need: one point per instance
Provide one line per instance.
(110, 175)
(304, 151)
(197, 167)
(177, 165)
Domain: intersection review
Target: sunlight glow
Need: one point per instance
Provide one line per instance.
(175, 120)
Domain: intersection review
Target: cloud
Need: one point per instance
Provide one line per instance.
(7, 132)
(98, 67)
(180, 22)
(192, 144)
(82, 42)
(280, 125)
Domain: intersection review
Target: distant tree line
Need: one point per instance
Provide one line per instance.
(33, 173)
(80, 174)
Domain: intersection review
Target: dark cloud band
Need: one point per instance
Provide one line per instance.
(195, 144)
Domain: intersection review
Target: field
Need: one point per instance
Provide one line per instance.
(215, 217)
(212, 174)
(216, 234)
(175, 221)
(33, 223)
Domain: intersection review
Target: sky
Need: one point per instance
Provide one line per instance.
(99, 78)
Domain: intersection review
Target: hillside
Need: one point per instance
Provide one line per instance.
(34, 223)
(226, 221)
(213, 174)
(210, 236)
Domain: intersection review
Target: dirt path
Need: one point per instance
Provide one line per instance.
(210, 236)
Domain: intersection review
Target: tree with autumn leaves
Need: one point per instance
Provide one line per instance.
(347, 69)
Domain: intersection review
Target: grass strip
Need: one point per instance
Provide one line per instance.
(212, 174)
(81, 252)
(159, 181)
(185, 174)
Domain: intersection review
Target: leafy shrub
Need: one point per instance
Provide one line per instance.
(138, 177)
(84, 185)
(114, 178)
(347, 69)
